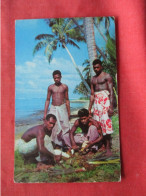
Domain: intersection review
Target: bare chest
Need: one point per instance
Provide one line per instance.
(58, 89)
(99, 80)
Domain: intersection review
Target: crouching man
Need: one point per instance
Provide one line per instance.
(37, 140)
(91, 132)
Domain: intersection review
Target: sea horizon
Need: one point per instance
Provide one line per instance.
(32, 109)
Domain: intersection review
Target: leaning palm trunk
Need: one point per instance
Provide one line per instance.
(76, 67)
(100, 32)
(90, 39)
(97, 48)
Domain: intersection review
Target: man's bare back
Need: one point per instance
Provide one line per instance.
(34, 132)
(39, 133)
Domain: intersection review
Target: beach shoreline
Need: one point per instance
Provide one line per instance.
(36, 118)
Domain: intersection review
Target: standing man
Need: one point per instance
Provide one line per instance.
(60, 107)
(91, 131)
(102, 97)
(37, 140)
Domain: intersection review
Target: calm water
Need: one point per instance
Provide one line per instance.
(34, 108)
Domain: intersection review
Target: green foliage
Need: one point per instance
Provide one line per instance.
(115, 123)
(81, 89)
(63, 32)
(25, 171)
(79, 130)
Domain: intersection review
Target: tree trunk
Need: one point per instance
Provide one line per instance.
(79, 72)
(97, 48)
(100, 31)
(90, 39)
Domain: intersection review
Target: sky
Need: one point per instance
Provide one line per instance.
(33, 74)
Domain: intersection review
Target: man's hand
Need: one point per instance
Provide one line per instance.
(90, 115)
(59, 136)
(57, 158)
(110, 112)
(44, 118)
(69, 117)
(88, 146)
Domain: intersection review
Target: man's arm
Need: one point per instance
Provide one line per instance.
(67, 102)
(40, 143)
(91, 97)
(111, 96)
(71, 133)
(47, 102)
(97, 125)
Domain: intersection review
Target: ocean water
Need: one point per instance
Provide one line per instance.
(30, 109)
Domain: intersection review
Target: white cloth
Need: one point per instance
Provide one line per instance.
(30, 148)
(62, 123)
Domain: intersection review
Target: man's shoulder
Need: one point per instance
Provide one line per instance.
(38, 127)
(76, 123)
(51, 87)
(93, 78)
(64, 85)
(106, 74)
(41, 130)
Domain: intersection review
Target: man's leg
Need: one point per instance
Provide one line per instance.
(108, 144)
(66, 139)
(93, 135)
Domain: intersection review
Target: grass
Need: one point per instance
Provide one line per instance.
(66, 171)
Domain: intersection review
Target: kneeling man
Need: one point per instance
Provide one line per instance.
(91, 131)
(38, 140)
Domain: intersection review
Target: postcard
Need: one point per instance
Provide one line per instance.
(66, 101)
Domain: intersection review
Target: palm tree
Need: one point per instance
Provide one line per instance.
(110, 64)
(63, 33)
(90, 39)
(106, 21)
(80, 88)
(97, 21)
(85, 32)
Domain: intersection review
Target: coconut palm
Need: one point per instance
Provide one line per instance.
(85, 30)
(106, 21)
(110, 64)
(90, 40)
(80, 88)
(63, 33)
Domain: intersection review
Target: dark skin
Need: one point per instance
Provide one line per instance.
(39, 133)
(102, 81)
(84, 123)
(59, 93)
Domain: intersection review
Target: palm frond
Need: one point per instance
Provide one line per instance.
(44, 36)
(75, 34)
(51, 46)
(39, 46)
(86, 62)
(69, 41)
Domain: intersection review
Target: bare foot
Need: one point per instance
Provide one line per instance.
(102, 149)
(108, 153)
(42, 166)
